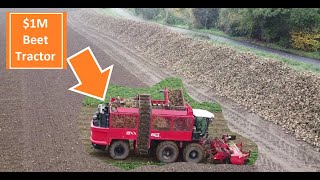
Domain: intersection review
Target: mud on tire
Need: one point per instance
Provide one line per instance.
(167, 152)
(119, 150)
(193, 153)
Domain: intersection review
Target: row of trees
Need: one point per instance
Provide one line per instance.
(172, 16)
(297, 27)
(288, 27)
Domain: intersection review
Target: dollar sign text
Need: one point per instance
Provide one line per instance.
(35, 23)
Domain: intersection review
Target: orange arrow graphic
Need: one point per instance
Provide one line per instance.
(92, 80)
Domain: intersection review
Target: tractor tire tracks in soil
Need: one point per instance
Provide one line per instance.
(39, 117)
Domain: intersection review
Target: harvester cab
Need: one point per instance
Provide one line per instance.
(202, 120)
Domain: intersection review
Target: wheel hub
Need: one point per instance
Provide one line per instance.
(167, 153)
(193, 154)
(119, 150)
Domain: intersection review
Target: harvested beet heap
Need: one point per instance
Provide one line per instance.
(176, 97)
(160, 123)
(123, 122)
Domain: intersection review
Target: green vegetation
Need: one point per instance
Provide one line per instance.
(173, 83)
(178, 17)
(205, 17)
(294, 30)
(214, 31)
(108, 11)
(253, 157)
(275, 25)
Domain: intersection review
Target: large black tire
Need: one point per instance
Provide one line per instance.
(119, 150)
(167, 152)
(193, 153)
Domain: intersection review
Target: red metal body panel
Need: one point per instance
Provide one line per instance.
(99, 135)
(238, 157)
(127, 110)
(171, 135)
(104, 136)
